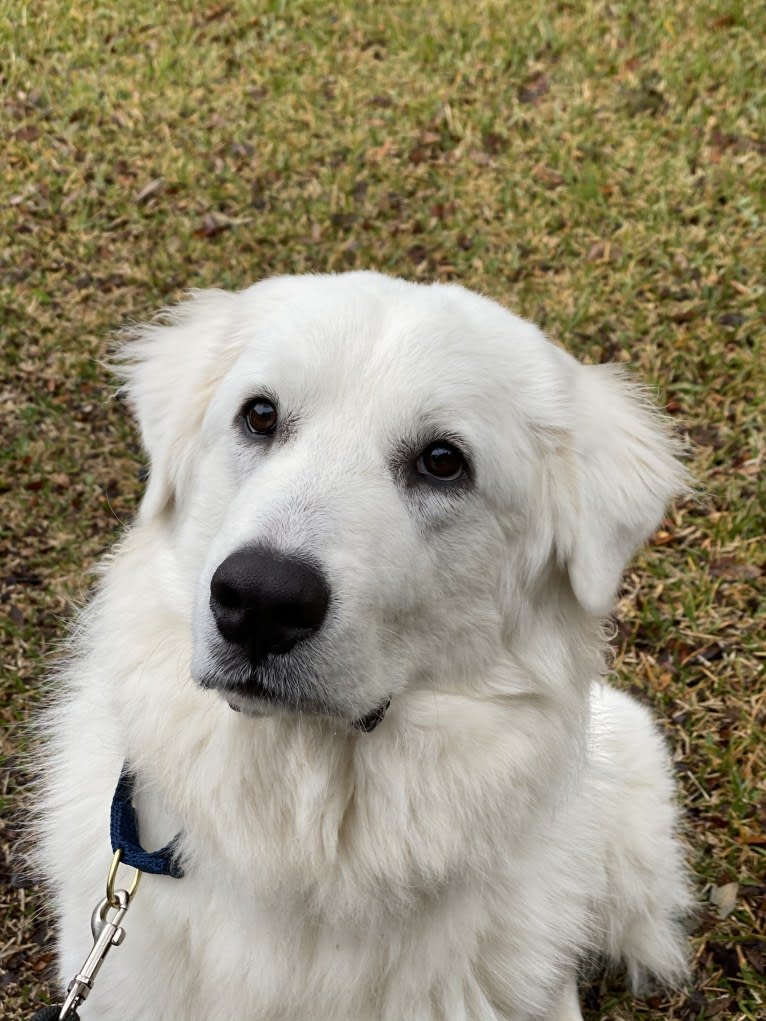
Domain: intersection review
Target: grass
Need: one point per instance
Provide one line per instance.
(598, 166)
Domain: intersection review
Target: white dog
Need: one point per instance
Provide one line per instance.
(350, 651)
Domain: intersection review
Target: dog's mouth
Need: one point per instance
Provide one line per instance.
(366, 724)
(254, 698)
(369, 722)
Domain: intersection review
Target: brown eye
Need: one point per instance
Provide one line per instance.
(260, 416)
(441, 461)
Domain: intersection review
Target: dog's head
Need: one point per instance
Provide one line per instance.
(365, 484)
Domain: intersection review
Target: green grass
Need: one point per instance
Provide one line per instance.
(600, 167)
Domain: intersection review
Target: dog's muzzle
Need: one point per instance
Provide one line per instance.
(265, 603)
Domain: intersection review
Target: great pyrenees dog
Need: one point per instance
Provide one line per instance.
(352, 652)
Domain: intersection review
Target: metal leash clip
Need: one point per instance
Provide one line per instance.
(107, 933)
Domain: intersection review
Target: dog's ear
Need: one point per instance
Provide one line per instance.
(170, 367)
(625, 470)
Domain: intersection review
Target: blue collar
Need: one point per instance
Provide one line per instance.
(123, 827)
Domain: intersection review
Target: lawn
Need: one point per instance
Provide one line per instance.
(600, 167)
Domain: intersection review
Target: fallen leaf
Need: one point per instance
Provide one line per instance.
(494, 142)
(731, 569)
(604, 251)
(152, 188)
(213, 13)
(717, 1006)
(534, 88)
(757, 839)
(755, 952)
(550, 178)
(216, 223)
(664, 680)
(661, 537)
(724, 898)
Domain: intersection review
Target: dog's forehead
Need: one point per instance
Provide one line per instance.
(364, 333)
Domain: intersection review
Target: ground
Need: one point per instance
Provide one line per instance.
(600, 167)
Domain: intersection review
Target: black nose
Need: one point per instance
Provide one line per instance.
(267, 602)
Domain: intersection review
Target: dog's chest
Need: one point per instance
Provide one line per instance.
(199, 948)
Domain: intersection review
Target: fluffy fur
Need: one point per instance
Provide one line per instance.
(512, 816)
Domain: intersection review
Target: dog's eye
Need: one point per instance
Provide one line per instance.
(441, 461)
(260, 416)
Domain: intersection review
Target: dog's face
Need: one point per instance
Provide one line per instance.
(366, 480)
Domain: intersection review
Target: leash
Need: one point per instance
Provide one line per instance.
(108, 914)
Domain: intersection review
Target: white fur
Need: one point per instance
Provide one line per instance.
(512, 817)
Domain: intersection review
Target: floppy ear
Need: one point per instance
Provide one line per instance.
(170, 368)
(626, 470)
